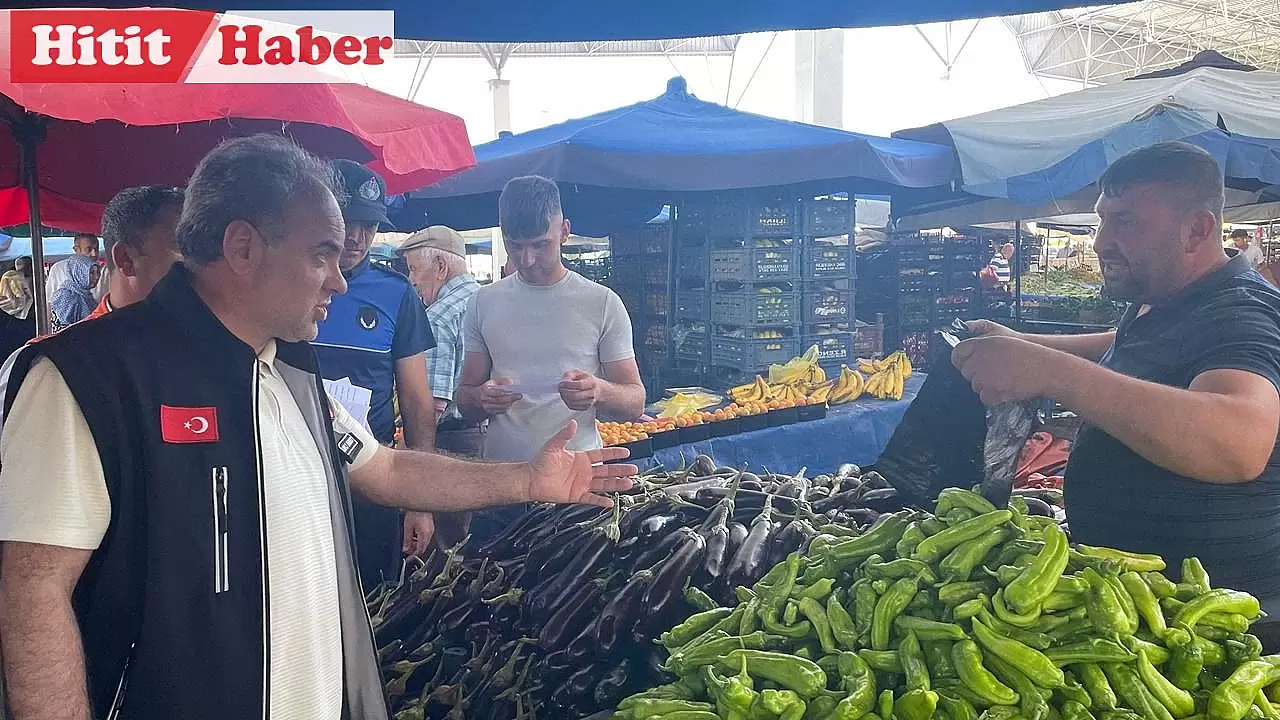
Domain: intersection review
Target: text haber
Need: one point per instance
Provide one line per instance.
(247, 46)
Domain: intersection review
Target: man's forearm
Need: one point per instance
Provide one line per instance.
(622, 402)
(43, 657)
(1091, 346)
(469, 405)
(1192, 433)
(419, 427)
(428, 482)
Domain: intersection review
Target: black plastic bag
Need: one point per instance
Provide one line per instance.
(947, 438)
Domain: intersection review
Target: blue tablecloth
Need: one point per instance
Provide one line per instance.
(854, 433)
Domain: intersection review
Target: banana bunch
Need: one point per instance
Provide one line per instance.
(756, 391)
(790, 394)
(848, 387)
(769, 290)
(768, 334)
(820, 394)
(885, 377)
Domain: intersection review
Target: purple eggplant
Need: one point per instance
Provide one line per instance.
(620, 614)
(669, 581)
(747, 562)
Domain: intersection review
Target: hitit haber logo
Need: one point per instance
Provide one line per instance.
(189, 46)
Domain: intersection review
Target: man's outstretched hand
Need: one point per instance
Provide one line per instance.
(562, 476)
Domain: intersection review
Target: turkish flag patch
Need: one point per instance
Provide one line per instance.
(189, 424)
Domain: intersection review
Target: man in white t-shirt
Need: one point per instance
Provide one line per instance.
(562, 342)
(1240, 238)
(175, 537)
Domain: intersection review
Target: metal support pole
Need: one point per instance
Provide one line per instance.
(29, 132)
(1017, 274)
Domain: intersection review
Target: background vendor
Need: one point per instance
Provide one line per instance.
(1178, 453)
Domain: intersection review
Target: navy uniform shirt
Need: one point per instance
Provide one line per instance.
(1228, 319)
(378, 321)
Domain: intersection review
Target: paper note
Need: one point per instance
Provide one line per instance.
(353, 398)
(538, 387)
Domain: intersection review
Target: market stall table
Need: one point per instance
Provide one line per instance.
(857, 432)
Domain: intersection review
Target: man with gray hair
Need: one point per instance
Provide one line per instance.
(1178, 455)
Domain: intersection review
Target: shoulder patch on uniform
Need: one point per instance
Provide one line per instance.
(367, 316)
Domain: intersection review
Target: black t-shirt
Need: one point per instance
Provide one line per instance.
(1229, 319)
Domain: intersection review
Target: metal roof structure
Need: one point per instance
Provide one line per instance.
(1105, 44)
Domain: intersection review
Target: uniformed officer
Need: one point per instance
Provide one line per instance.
(377, 335)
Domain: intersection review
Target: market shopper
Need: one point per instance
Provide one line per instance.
(175, 538)
(1251, 252)
(376, 335)
(74, 299)
(565, 339)
(1178, 454)
(84, 245)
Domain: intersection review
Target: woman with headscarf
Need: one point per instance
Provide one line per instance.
(16, 296)
(74, 300)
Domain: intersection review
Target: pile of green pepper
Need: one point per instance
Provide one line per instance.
(970, 613)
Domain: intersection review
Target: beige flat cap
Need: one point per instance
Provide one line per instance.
(439, 237)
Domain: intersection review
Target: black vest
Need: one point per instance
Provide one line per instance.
(173, 606)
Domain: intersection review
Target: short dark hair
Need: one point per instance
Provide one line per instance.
(134, 211)
(1191, 171)
(252, 179)
(527, 206)
(89, 235)
(1240, 234)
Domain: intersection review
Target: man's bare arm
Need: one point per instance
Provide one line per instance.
(39, 637)
(430, 482)
(1090, 346)
(476, 367)
(417, 406)
(621, 390)
(1222, 430)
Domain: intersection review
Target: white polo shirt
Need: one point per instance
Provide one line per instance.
(53, 492)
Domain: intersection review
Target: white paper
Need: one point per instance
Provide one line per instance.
(541, 387)
(353, 398)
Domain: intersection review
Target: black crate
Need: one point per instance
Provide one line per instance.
(824, 261)
(654, 274)
(691, 345)
(751, 423)
(737, 216)
(655, 239)
(665, 439)
(827, 306)
(869, 339)
(751, 355)
(692, 263)
(639, 449)
(756, 264)
(812, 411)
(656, 302)
(749, 308)
(783, 416)
(725, 428)
(834, 349)
(828, 216)
(693, 305)
(694, 433)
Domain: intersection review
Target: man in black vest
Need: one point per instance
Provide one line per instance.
(175, 535)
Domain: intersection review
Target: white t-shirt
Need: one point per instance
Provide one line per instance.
(533, 334)
(1253, 254)
(53, 492)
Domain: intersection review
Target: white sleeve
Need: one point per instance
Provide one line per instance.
(52, 488)
(57, 276)
(344, 423)
(616, 342)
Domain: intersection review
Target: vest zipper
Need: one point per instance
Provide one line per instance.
(221, 569)
(117, 702)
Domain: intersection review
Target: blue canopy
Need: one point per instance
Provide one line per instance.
(677, 143)
(1051, 151)
(589, 20)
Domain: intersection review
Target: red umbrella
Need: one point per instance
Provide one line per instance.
(95, 139)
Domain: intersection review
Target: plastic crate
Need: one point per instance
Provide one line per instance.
(824, 261)
(828, 216)
(827, 306)
(692, 346)
(834, 349)
(737, 215)
(756, 264)
(691, 263)
(654, 274)
(869, 338)
(656, 303)
(751, 355)
(749, 308)
(692, 305)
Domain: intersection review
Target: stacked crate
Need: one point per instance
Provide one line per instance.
(827, 281)
(640, 263)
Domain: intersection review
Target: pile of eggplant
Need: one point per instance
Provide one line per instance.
(556, 616)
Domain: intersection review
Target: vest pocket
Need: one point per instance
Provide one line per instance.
(221, 573)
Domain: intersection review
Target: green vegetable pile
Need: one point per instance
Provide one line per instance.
(971, 612)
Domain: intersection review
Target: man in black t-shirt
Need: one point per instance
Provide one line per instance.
(1178, 454)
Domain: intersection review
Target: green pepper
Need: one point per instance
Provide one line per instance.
(1040, 578)
(879, 538)
(1127, 604)
(1138, 562)
(790, 612)
(1219, 601)
(699, 600)
(885, 704)
(817, 615)
(750, 621)
(916, 705)
(912, 535)
(955, 516)
(1160, 585)
(1177, 700)
(1033, 702)
(1193, 573)
(820, 566)
(1157, 654)
(856, 679)
(842, 625)
(932, 526)
(1039, 641)
(1095, 683)
(647, 707)
(1007, 614)
(952, 594)
(1231, 699)
(900, 568)
(937, 654)
(864, 606)
(956, 707)
(1072, 690)
(691, 628)
(1016, 548)
(1049, 623)
(1093, 650)
(1060, 600)
(976, 677)
(1105, 611)
(1002, 712)
(960, 563)
(788, 671)
(929, 629)
(823, 541)
(822, 707)
(960, 498)
(777, 627)
(1213, 653)
(969, 608)
(914, 667)
(1035, 664)
(935, 546)
(1072, 710)
(818, 591)
(707, 653)
(885, 661)
(773, 597)
(686, 715)
(1133, 691)
(782, 704)
(1144, 601)
(894, 601)
(1242, 647)
(1186, 660)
